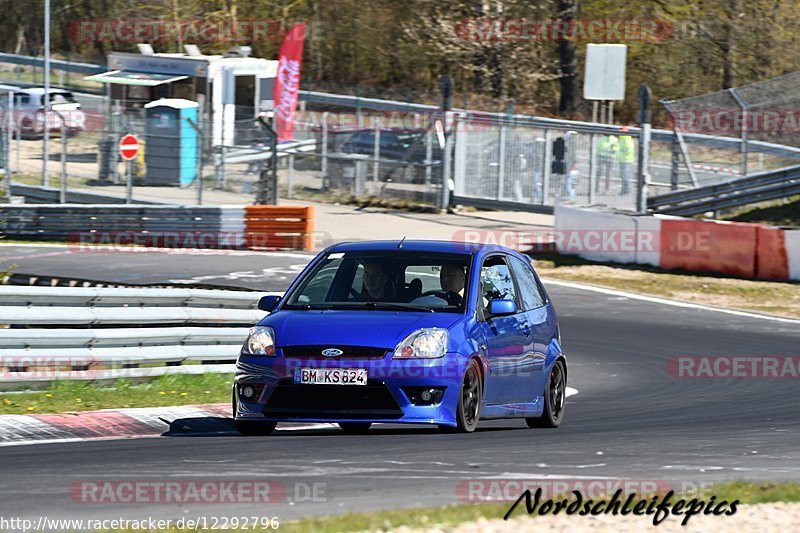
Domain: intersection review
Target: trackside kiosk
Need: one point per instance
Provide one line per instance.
(171, 142)
(228, 88)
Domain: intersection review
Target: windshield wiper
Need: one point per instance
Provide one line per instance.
(396, 306)
(309, 307)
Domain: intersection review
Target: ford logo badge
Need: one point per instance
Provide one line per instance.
(332, 352)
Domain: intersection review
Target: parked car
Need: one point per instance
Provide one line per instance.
(29, 116)
(431, 332)
(404, 153)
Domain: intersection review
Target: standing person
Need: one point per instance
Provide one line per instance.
(572, 180)
(626, 155)
(607, 152)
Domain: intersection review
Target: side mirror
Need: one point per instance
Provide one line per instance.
(502, 307)
(268, 303)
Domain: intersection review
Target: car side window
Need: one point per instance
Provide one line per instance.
(532, 298)
(496, 281)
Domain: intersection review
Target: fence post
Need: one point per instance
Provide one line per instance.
(9, 136)
(592, 166)
(674, 174)
(548, 164)
(428, 154)
(643, 174)
(744, 136)
(681, 147)
(448, 163)
(324, 151)
(290, 174)
(376, 153)
(501, 155)
(115, 124)
(63, 193)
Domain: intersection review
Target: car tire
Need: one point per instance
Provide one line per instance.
(355, 427)
(468, 410)
(554, 399)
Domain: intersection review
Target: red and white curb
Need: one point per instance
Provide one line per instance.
(17, 430)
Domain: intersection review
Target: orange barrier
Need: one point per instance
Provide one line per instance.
(278, 226)
(728, 248)
(772, 261)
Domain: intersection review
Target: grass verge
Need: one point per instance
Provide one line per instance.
(163, 391)
(443, 518)
(777, 298)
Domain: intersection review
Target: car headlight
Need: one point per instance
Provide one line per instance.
(260, 341)
(426, 343)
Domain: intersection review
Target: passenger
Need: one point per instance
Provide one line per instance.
(376, 283)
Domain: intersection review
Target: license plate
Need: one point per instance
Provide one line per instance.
(332, 376)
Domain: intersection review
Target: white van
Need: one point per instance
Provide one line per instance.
(29, 110)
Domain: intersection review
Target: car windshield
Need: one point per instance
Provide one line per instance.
(384, 280)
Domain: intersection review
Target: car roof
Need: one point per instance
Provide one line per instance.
(39, 90)
(456, 247)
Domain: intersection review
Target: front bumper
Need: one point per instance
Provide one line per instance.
(392, 393)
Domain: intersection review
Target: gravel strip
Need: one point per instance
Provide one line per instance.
(764, 517)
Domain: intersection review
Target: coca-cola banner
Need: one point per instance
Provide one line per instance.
(287, 82)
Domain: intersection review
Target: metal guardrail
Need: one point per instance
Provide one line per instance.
(71, 221)
(35, 194)
(200, 326)
(743, 191)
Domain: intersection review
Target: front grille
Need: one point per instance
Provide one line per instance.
(333, 401)
(315, 351)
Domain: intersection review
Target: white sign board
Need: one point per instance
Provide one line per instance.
(605, 72)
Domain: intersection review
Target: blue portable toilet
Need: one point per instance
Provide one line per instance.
(171, 142)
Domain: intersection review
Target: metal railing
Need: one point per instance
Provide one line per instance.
(57, 333)
(743, 191)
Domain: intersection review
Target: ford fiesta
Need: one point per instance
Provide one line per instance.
(428, 332)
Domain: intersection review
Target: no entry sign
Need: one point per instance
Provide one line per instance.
(129, 147)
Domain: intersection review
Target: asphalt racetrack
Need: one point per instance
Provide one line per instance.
(632, 418)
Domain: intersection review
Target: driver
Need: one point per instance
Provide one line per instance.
(452, 278)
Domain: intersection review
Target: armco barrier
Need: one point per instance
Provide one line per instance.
(169, 226)
(272, 226)
(727, 248)
(98, 333)
(772, 261)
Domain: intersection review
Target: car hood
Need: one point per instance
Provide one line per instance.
(380, 329)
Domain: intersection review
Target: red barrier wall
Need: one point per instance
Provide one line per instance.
(709, 246)
(772, 261)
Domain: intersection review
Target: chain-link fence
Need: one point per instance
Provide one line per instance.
(761, 121)
(346, 148)
(511, 161)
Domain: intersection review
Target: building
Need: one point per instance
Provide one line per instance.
(228, 88)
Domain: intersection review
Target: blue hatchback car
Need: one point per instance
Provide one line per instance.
(431, 332)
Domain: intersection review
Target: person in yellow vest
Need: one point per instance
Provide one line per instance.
(626, 155)
(607, 148)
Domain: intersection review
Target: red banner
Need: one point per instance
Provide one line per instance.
(287, 83)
